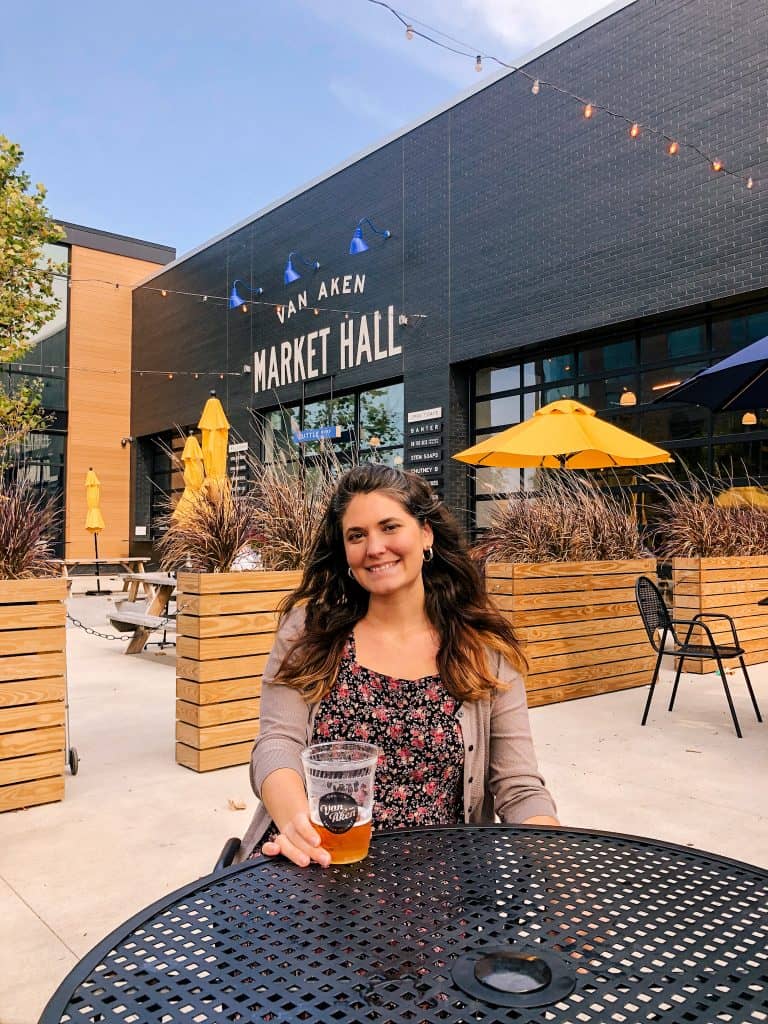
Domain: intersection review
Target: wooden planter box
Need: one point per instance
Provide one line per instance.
(32, 692)
(730, 585)
(225, 631)
(578, 623)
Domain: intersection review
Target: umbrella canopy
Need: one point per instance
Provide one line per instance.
(94, 521)
(214, 427)
(194, 474)
(743, 497)
(738, 382)
(564, 435)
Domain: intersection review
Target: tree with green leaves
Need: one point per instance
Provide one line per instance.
(27, 300)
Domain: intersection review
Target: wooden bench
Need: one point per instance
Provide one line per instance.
(138, 622)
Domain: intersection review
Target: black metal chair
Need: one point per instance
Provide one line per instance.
(659, 625)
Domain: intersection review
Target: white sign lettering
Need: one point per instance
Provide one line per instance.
(365, 339)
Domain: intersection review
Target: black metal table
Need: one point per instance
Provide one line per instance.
(446, 925)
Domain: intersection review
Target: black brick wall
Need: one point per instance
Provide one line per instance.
(514, 221)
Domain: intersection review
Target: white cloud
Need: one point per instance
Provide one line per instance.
(349, 94)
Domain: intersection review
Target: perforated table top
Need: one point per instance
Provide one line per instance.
(445, 925)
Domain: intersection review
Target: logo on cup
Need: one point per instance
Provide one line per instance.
(338, 812)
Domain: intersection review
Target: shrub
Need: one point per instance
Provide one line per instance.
(569, 519)
(690, 523)
(27, 523)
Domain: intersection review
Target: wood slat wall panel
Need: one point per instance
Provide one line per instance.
(238, 582)
(216, 757)
(222, 645)
(214, 625)
(30, 794)
(100, 402)
(579, 623)
(730, 585)
(32, 667)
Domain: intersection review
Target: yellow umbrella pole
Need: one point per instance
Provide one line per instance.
(94, 522)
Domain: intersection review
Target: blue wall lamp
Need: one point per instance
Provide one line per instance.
(235, 299)
(291, 274)
(358, 243)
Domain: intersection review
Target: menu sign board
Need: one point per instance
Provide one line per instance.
(424, 445)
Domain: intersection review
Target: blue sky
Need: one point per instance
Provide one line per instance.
(173, 121)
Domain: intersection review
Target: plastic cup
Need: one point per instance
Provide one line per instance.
(340, 777)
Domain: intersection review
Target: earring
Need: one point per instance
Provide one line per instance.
(429, 554)
(350, 573)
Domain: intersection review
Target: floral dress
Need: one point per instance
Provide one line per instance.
(419, 778)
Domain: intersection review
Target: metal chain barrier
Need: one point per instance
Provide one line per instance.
(95, 632)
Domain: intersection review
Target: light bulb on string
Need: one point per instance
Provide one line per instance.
(244, 308)
(673, 149)
(409, 31)
(536, 87)
(750, 183)
(170, 376)
(164, 293)
(478, 62)
(588, 110)
(717, 165)
(634, 131)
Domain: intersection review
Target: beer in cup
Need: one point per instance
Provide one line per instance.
(340, 778)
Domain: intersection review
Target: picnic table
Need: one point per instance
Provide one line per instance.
(129, 565)
(142, 621)
(484, 924)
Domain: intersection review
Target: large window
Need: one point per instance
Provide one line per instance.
(370, 425)
(620, 378)
(47, 359)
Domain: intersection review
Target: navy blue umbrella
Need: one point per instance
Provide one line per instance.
(738, 382)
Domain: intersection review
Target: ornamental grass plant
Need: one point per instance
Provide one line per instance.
(28, 519)
(277, 517)
(570, 518)
(689, 522)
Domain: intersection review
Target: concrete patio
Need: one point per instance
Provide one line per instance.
(134, 825)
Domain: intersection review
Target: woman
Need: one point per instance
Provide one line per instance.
(391, 639)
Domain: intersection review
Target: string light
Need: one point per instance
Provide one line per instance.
(211, 299)
(465, 50)
(717, 165)
(478, 62)
(409, 31)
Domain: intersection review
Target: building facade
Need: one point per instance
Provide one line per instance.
(532, 253)
(84, 359)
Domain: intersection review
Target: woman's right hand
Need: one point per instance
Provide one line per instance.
(299, 842)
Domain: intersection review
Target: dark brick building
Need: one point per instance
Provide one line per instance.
(533, 254)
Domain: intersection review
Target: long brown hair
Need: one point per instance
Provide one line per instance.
(456, 603)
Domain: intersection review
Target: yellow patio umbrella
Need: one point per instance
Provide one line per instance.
(94, 521)
(214, 427)
(194, 475)
(564, 435)
(743, 497)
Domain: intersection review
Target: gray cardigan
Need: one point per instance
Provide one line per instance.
(500, 772)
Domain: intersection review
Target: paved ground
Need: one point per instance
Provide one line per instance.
(134, 825)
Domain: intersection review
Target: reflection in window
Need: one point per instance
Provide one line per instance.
(617, 355)
(41, 463)
(498, 412)
(279, 426)
(606, 394)
(493, 480)
(654, 383)
(493, 379)
(661, 346)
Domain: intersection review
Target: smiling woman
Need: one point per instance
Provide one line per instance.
(391, 639)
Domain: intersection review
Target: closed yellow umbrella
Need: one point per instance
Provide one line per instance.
(743, 497)
(94, 521)
(564, 435)
(194, 475)
(214, 427)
